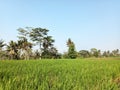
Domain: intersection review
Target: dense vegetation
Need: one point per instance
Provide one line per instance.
(81, 74)
(29, 37)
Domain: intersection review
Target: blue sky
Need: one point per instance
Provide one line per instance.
(89, 23)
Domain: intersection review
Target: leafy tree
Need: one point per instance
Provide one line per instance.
(84, 53)
(40, 37)
(54, 52)
(37, 35)
(48, 50)
(71, 49)
(95, 52)
(47, 42)
(23, 33)
(115, 52)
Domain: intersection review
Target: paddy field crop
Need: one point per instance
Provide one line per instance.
(70, 74)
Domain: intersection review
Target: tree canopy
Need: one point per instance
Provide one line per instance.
(29, 37)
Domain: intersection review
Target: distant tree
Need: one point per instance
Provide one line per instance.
(71, 49)
(108, 53)
(37, 35)
(65, 55)
(40, 37)
(25, 46)
(99, 53)
(23, 33)
(105, 54)
(2, 44)
(47, 42)
(115, 53)
(49, 51)
(54, 53)
(12, 50)
(25, 49)
(84, 53)
(2, 52)
(95, 52)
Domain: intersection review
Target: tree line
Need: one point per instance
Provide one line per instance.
(23, 48)
(93, 52)
(28, 37)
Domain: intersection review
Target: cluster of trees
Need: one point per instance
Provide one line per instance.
(23, 47)
(29, 37)
(98, 53)
(72, 53)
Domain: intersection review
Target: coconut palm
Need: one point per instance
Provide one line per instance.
(2, 44)
(12, 50)
(24, 48)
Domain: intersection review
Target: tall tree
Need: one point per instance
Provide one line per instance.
(71, 49)
(49, 51)
(25, 47)
(37, 35)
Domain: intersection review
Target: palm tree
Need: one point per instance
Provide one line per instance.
(24, 48)
(2, 44)
(12, 50)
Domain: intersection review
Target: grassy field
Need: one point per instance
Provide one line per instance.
(79, 74)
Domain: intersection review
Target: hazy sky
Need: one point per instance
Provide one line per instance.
(89, 23)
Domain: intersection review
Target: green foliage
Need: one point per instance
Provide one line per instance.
(81, 74)
(71, 49)
(37, 34)
(29, 37)
(95, 52)
(40, 37)
(65, 55)
(2, 44)
(12, 50)
(2, 52)
(84, 54)
(23, 33)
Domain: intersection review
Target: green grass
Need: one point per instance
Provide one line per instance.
(80, 74)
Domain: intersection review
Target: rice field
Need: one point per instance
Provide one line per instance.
(75, 74)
